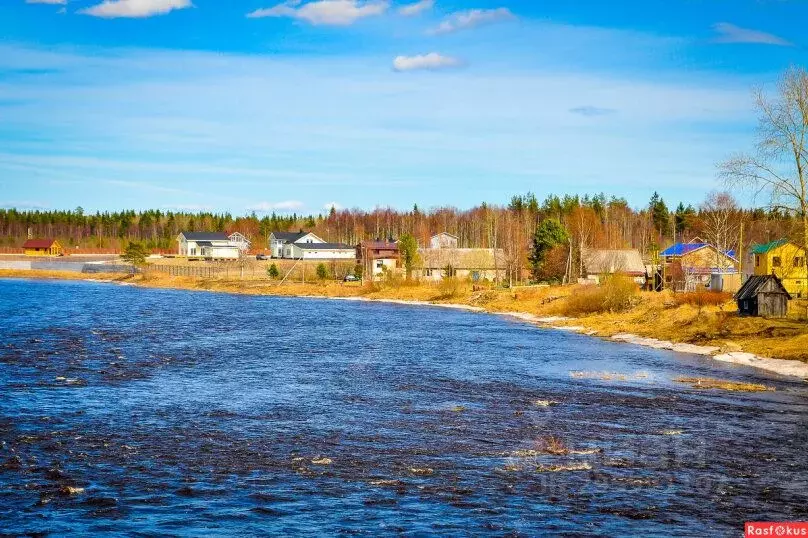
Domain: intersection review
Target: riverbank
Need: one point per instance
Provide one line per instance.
(654, 319)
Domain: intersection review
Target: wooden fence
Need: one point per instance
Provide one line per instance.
(199, 271)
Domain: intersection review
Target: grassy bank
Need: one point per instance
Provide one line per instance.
(709, 320)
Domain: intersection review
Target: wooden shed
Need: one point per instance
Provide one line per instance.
(763, 295)
(43, 247)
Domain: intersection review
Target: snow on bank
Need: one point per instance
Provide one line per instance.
(664, 344)
(780, 366)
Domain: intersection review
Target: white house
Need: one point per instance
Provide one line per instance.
(212, 246)
(307, 246)
(443, 240)
(278, 240)
(240, 241)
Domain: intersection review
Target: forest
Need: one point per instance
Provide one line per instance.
(593, 221)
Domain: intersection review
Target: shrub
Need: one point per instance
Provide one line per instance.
(272, 271)
(615, 293)
(449, 288)
(322, 271)
(620, 291)
(358, 270)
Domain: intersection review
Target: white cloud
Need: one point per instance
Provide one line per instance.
(326, 12)
(472, 18)
(266, 207)
(410, 10)
(729, 33)
(111, 9)
(431, 61)
(333, 205)
(50, 2)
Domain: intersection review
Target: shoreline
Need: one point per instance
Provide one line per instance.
(785, 367)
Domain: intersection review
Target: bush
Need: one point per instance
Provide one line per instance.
(322, 271)
(358, 270)
(272, 271)
(449, 288)
(615, 293)
(620, 291)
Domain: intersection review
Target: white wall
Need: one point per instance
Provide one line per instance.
(340, 254)
(221, 252)
(390, 264)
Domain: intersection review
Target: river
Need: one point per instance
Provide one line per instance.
(163, 412)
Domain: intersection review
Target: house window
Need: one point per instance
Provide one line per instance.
(799, 261)
(757, 260)
(777, 262)
(193, 252)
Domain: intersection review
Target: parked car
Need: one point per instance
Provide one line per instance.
(262, 257)
(350, 278)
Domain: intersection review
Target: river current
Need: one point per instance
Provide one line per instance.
(149, 412)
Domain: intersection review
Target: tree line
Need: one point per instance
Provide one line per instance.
(566, 226)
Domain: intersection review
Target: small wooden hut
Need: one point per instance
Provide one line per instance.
(763, 295)
(43, 247)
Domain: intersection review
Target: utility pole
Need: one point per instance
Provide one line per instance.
(740, 253)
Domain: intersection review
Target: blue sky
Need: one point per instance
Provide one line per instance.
(270, 106)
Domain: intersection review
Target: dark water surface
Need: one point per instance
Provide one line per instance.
(156, 412)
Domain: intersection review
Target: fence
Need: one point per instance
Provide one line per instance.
(204, 271)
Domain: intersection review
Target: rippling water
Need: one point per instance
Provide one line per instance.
(182, 413)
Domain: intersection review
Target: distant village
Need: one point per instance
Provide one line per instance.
(440, 258)
(763, 280)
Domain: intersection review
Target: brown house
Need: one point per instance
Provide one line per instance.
(378, 257)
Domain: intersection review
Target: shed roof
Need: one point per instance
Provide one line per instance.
(760, 284)
(204, 236)
(39, 243)
(608, 261)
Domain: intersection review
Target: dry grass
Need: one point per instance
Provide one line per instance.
(722, 384)
(701, 298)
(615, 294)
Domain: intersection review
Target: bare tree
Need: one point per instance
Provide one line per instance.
(779, 166)
(721, 218)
